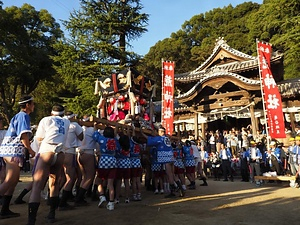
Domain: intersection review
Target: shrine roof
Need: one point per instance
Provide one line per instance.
(289, 88)
(214, 75)
(246, 62)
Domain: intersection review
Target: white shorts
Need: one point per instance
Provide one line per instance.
(56, 148)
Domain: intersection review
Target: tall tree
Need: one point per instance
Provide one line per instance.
(26, 44)
(97, 45)
(275, 21)
(278, 22)
(194, 42)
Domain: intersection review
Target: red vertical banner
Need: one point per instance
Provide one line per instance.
(167, 106)
(271, 95)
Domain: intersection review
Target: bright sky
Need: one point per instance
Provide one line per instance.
(166, 16)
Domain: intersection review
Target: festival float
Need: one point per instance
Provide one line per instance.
(125, 100)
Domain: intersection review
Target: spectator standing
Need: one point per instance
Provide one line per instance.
(255, 158)
(294, 154)
(219, 140)
(234, 143)
(215, 162)
(212, 142)
(225, 156)
(244, 158)
(245, 141)
(203, 159)
(196, 153)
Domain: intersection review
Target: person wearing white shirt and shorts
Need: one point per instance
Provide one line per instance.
(87, 162)
(75, 134)
(51, 134)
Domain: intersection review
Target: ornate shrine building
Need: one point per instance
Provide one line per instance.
(225, 92)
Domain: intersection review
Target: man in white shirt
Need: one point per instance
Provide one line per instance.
(196, 154)
(51, 134)
(212, 141)
(85, 160)
(75, 135)
(233, 143)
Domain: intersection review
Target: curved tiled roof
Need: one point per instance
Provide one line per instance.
(289, 87)
(286, 88)
(222, 44)
(215, 75)
(251, 62)
(232, 67)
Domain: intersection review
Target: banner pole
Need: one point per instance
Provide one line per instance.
(263, 97)
(162, 91)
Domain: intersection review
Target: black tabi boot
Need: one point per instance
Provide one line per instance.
(192, 185)
(77, 191)
(181, 190)
(172, 189)
(63, 205)
(79, 200)
(19, 199)
(89, 191)
(149, 186)
(204, 182)
(32, 211)
(5, 212)
(48, 197)
(54, 201)
(95, 196)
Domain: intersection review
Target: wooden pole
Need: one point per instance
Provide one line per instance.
(253, 120)
(102, 123)
(196, 126)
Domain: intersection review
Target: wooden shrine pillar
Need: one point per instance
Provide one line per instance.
(257, 123)
(196, 126)
(253, 120)
(203, 128)
(292, 118)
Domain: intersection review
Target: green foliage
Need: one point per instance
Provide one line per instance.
(26, 39)
(104, 28)
(190, 46)
(194, 42)
(34, 60)
(278, 22)
(275, 21)
(99, 34)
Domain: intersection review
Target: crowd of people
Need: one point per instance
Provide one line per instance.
(74, 161)
(251, 155)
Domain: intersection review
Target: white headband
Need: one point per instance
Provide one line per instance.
(86, 119)
(27, 100)
(70, 116)
(56, 113)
